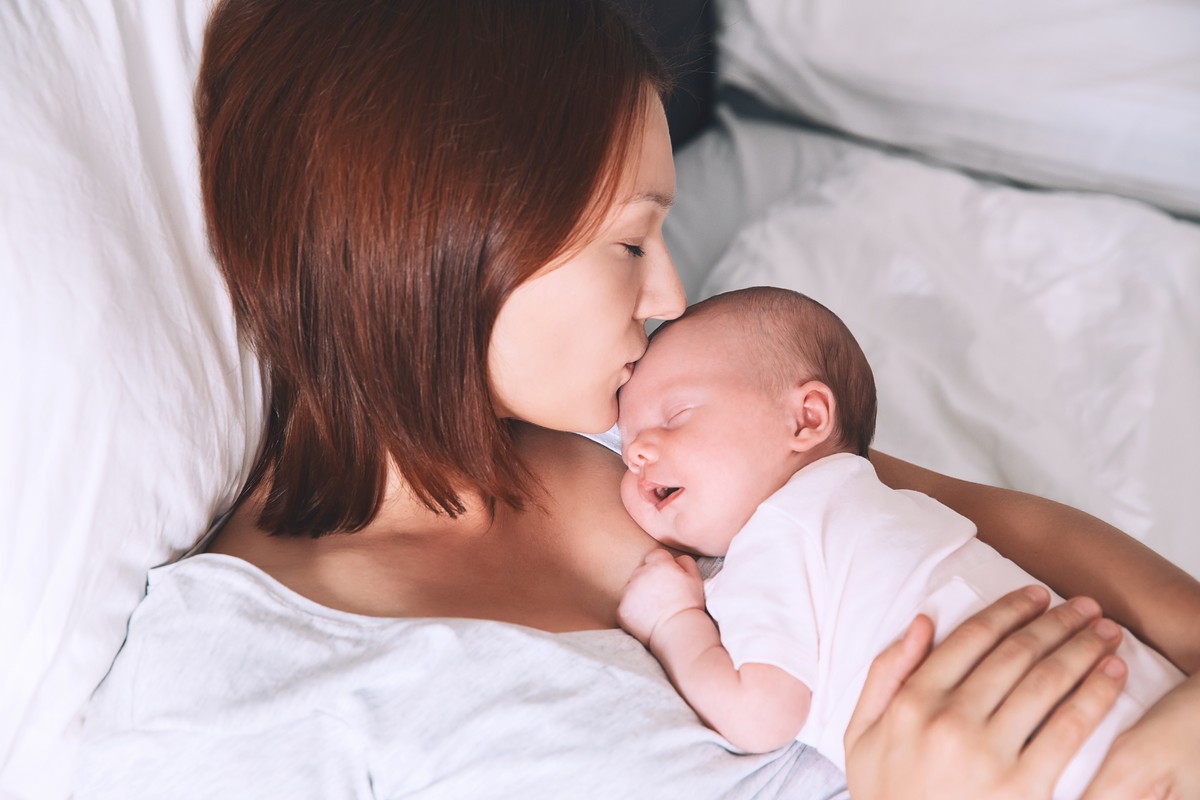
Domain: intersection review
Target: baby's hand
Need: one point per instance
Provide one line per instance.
(659, 589)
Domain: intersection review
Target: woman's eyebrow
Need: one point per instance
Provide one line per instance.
(663, 200)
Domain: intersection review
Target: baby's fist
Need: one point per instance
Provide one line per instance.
(659, 589)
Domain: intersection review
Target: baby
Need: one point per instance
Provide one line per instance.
(744, 429)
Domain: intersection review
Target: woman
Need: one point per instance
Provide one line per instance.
(441, 224)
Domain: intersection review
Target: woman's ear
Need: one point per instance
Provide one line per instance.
(811, 409)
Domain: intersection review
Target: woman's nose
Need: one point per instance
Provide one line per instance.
(662, 294)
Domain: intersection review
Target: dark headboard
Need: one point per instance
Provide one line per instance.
(683, 32)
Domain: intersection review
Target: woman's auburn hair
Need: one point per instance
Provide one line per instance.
(377, 177)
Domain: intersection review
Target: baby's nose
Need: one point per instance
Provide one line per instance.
(639, 453)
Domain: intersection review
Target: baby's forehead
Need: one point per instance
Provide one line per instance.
(709, 339)
(709, 328)
(689, 357)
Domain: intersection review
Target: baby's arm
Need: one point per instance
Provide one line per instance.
(758, 707)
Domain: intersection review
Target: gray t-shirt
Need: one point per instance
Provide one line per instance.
(231, 685)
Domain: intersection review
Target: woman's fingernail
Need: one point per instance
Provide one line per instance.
(1114, 667)
(1107, 629)
(1035, 593)
(1085, 606)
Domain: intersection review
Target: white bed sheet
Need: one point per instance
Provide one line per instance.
(128, 411)
(1048, 342)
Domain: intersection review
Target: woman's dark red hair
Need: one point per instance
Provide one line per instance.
(377, 178)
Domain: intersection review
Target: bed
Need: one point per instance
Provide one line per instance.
(1000, 198)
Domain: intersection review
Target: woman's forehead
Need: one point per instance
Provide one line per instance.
(649, 175)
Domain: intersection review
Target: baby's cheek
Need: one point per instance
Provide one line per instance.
(630, 495)
(636, 505)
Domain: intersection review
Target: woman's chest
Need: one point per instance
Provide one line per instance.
(543, 569)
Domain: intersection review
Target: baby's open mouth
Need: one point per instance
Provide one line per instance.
(660, 495)
(657, 494)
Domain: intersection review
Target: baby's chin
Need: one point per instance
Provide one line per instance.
(709, 542)
(683, 540)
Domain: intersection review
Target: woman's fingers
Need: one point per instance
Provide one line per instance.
(1050, 680)
(1059, 739)
(965, 646)
(1031, 655)
(939, 732)
(887, 674)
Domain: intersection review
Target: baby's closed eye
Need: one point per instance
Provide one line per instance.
(678, 416)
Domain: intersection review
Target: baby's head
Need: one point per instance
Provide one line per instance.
(729, 402)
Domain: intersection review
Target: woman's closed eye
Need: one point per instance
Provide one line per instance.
(634, 250)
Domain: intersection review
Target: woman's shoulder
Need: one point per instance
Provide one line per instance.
(573, 470)
(228, 686)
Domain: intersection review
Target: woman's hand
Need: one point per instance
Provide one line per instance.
(990, 712)
(1157, 758)
(659, 589)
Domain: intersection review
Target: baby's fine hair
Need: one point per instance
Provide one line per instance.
(796, 339)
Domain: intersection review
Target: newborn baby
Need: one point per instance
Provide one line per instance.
(745, 429)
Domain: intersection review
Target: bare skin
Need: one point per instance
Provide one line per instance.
(561, 565)
(558, 567)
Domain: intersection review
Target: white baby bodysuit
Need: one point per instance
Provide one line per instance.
(834, 566)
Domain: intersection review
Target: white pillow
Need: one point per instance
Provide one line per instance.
(1049, 342)
(1076, 94)
(730, 175)
(128, 413)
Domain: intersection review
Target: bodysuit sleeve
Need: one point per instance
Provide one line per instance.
(764, 598)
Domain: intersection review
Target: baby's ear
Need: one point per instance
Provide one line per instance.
(811, 409)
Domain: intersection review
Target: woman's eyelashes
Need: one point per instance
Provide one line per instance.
(634, 250)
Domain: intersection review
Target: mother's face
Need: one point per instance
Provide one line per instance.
(564, 339)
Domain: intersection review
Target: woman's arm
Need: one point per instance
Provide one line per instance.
(1075, 554)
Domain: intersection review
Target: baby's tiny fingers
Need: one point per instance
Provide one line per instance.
(689, 566)
(656, 555)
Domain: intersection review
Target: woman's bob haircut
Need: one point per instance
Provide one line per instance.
(378, 176)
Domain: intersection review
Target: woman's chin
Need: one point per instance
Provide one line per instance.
(596, 427)
(599, 421)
